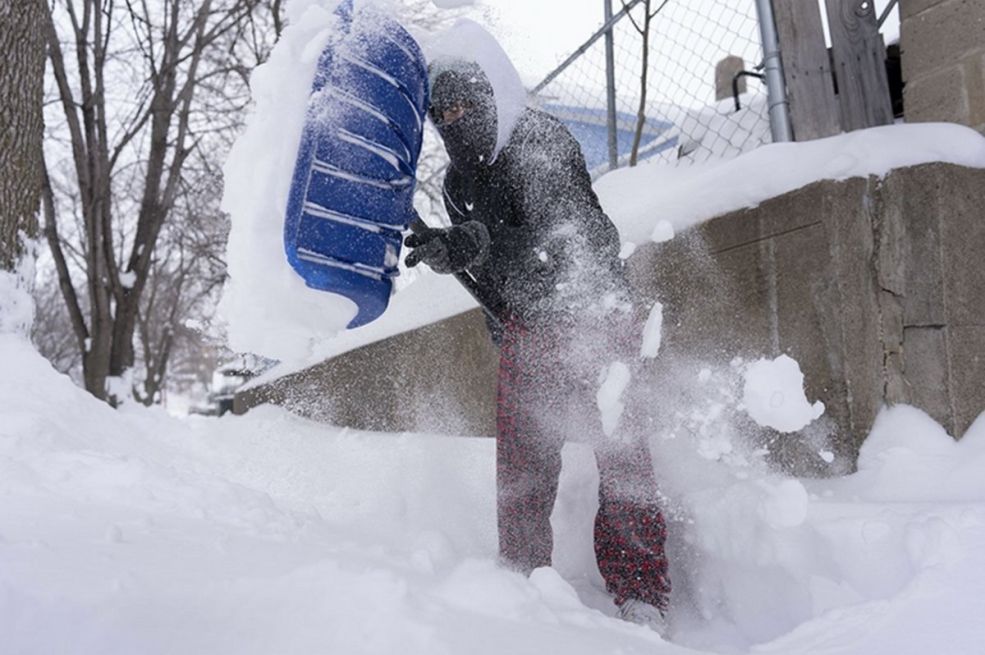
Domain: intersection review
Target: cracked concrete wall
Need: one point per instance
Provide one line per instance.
(933, 237)
(876, 286)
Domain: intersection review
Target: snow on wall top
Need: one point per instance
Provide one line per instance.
(637, 199)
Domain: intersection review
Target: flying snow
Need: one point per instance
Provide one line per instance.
(652, 332)
(614, 380)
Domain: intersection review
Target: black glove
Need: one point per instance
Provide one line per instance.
(450, 249)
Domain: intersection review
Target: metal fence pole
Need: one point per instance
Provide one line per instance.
(779, 108)
(610, 88)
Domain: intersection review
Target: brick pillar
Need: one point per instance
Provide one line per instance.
(943, 50)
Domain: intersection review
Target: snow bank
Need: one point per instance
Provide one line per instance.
(16, 304)
(135, 532)
(639, 198)
(130, 531)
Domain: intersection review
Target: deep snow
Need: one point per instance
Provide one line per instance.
(131, 531)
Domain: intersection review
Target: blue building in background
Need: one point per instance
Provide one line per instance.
(590, 127)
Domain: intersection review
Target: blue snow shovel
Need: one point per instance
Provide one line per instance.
(351, 195)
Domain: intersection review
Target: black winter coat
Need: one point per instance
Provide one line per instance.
(553, 253)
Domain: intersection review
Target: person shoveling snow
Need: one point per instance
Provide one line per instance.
(529, 239)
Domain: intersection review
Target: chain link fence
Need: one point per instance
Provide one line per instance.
(685, 120)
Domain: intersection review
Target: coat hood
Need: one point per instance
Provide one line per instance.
(467, 58)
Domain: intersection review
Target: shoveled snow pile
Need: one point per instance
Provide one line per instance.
(269, 309)
(133, 532)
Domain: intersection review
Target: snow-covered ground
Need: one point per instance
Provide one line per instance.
(134, 532)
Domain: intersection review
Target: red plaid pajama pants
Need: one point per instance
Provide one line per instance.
(546, 393)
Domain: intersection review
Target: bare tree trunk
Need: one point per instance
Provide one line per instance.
(22, 45)
(173, 40)
(644, 31)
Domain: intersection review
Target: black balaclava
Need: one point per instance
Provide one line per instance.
(471, 140)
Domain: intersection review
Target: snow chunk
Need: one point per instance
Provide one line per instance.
(452, 4)
(467, 40)
(627, 249)
(774, 395)
(662, 231)
(615, 379)
(652, 332)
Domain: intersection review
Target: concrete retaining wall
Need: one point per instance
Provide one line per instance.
(877, 287)
(943, 50)
(440, 378)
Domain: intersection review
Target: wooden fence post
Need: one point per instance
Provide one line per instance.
(814, 110)
(860, 64)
